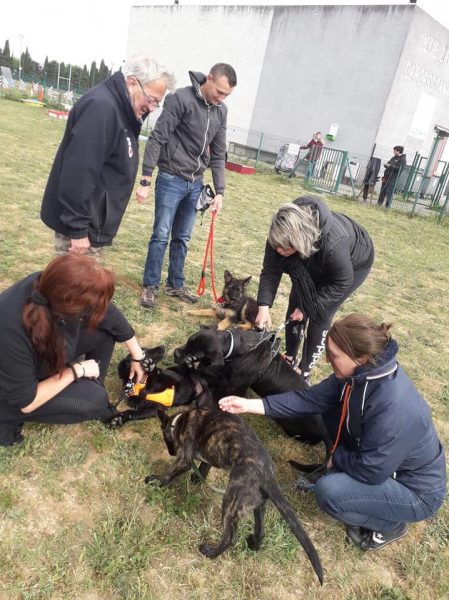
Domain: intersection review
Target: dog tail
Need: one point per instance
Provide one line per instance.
(311, 468)
(287, 511)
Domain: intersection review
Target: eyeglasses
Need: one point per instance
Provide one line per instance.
(151, 101)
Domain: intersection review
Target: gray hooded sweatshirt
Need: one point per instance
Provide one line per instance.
(189, 136)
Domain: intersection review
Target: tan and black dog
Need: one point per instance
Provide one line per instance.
(236, 309)
(224, 441)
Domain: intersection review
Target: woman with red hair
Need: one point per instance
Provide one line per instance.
(58, 329)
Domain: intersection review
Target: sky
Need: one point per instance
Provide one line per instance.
(81, 31)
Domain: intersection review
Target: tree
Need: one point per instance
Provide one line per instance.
(103, 72)
(93, 74)
(84, 82)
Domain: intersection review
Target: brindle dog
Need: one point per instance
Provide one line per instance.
(236, 310)
(224, 441)
(233, 361)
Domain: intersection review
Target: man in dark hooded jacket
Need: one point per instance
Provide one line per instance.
(95, 167)
(189, 136)
(392, 170)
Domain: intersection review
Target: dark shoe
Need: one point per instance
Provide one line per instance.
(375, 540)
(11, 434)
(147, 298)
(355, 534)
(180, 293)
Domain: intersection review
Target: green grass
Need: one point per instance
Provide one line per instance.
(77, 520)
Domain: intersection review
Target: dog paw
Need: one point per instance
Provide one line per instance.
(115, 422)
(209, 550)
(152, 479)
(253, 542)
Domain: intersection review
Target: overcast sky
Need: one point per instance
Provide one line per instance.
(84, 30)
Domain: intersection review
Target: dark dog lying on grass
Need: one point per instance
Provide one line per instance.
(174, 386)
(224, 441)
(236, 308)
(233, 361)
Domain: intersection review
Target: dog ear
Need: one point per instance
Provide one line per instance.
(227, 277)
(163, 418)
(246, 281)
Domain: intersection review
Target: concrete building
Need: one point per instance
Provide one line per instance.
(381, 73)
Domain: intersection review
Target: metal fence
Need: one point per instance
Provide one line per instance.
(416, 190)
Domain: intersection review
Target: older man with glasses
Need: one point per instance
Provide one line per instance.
(95, 167)
(189, 136)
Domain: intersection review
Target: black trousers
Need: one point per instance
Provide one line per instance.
(82, 400)
(315, 333)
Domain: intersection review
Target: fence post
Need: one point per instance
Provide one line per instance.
(341, 171)
(444, 208)
(258, 150)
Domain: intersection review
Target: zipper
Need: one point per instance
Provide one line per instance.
(204, 143)
(351, 387)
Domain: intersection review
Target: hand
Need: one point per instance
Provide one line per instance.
(79, 246)
(91, 368)
(137, 372)
(263, 319)
(237, 405)
(297, 315)
(217, 204)
(330, 464)
(142, 194)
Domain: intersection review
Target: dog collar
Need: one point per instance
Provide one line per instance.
(231, 347)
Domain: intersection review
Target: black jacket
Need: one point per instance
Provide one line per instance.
(95, 167)
(20, 368)
(189, 136)
(344, 246)
(394, 165)
(388, 430)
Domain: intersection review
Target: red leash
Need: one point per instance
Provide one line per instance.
(209, 250)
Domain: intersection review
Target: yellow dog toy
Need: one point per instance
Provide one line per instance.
(165, 397)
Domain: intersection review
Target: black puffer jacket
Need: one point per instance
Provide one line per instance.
(95, 167)
(344, 246)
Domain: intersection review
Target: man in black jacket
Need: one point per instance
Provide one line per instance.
(95, 167)
(391, 174)
(189, 136)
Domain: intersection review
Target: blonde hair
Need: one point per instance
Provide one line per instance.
(359, 336)
(295, 227)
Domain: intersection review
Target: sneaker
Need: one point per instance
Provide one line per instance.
(180, 293)
(375, 540)
(147, 298)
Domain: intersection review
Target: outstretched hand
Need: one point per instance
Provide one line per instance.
(237, 405)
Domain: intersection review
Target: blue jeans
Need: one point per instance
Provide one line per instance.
(377, 507)
(174, 215)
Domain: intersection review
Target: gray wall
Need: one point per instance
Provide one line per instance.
(419, 96)
(327, 64)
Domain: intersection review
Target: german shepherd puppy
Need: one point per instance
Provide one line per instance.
(224, 441)
(236, 310)
(187, 387)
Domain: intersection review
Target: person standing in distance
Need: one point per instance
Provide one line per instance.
(95, 167)
(189, 136)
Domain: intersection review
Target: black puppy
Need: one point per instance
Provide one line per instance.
(185, 387)
(224, 441)
(233, 361)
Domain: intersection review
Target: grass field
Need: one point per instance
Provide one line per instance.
(77, 521)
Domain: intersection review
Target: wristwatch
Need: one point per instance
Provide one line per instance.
(145, 182)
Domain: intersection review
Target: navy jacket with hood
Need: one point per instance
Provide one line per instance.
(344, 246)
(189, 136)
(95, 167)
(388, 431)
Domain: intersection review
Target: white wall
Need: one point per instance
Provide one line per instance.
(193, 38)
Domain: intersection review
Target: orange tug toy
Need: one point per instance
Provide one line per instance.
(165, 397)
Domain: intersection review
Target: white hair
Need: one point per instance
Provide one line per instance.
(146, 69)
(295, 227)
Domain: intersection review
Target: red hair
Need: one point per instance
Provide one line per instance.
(70, 285)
